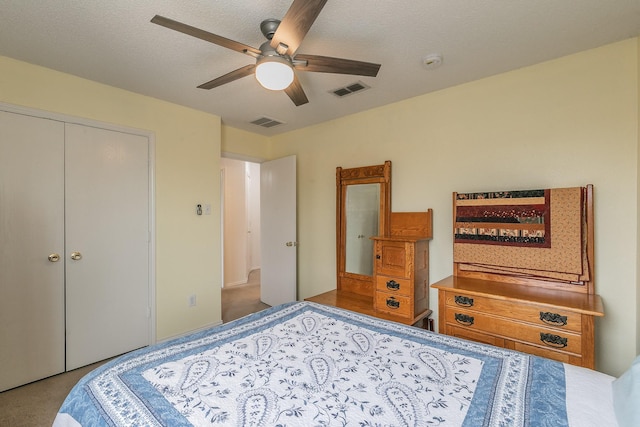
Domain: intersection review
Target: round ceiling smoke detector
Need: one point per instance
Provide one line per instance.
(432, 61)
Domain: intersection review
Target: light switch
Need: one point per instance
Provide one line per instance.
(207, 209)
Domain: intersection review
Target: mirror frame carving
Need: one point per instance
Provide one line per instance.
(381, 174)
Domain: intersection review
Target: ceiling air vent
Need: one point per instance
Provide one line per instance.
(266, 122)
(350, 89)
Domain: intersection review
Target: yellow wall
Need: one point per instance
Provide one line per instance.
(568, 122)
(187, 154)
(243, 144)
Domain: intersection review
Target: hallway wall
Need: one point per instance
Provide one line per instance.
(241, 219)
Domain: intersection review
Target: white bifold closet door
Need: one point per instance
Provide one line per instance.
(31, 232)
(74, 246)
(107, 227)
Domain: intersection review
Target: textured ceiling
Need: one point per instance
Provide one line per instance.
(113, 42)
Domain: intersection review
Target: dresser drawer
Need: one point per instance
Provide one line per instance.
(543, 352)
(512, 329)
(393, 285)
(395, 304)
(469, 334)
(544, 316)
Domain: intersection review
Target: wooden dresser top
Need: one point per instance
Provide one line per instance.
(574, 301)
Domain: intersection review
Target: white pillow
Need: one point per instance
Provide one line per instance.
(626, 396)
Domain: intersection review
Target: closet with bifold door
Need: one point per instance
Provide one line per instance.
(75, 244)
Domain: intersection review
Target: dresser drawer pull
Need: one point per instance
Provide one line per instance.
(553, 319)
(392, 303)
(464, 319)
(553, 340)
(463, 301)
(393, 285)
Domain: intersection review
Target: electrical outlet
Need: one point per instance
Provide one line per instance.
(192, 300)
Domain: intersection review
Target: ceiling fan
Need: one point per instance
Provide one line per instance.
(276, 59)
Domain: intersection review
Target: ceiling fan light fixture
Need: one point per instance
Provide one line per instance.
(274, 72)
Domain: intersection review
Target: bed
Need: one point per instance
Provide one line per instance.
(305, 364)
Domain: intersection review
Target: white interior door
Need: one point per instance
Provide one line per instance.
(31, 228)
(107, 224)
(278, 242)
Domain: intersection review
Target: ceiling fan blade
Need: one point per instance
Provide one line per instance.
(326, 64)
(295, 25)
(205, 35)
(229, 77)
(296, 93)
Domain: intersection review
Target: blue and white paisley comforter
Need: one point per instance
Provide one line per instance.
(304, 364)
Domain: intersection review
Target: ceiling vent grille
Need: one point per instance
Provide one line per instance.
(350, 89)
(266, 122)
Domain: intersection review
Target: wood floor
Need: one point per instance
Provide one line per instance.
(36, 404)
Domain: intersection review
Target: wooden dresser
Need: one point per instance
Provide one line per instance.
(401, 275)
(555, 324)
(509, 306)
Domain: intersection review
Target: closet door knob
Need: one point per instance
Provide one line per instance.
(54, 257)
(76, 256)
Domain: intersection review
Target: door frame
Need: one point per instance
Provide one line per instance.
(242, 158)
(152, 184)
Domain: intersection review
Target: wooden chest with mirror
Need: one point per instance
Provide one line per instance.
(365, 225)
(363, 208)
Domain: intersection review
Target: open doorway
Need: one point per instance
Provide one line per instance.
(240, 195)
